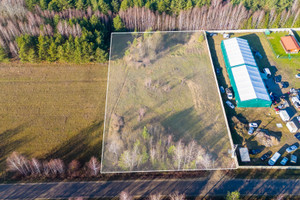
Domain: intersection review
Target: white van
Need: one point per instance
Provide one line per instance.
(274, 158)
(284, 115)
(267, 72)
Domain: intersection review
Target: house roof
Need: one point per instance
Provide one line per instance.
(239, 52)
(249, 83)
(290, 43)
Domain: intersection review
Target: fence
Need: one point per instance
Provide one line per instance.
(245, 165)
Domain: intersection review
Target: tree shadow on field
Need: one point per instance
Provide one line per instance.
(7, 146)
(120, 44)
(82, 146)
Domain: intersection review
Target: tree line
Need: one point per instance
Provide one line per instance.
(51, 168)
(80, 29)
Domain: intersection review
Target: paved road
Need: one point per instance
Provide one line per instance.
(191, 187)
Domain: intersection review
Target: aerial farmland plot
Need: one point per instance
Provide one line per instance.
(163, 108)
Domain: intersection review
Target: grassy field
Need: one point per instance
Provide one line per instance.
(266, 116)
(52, 111)
(163, 82)
(274, 39)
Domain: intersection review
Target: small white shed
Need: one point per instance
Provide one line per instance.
(244, 153)
(284, 115)
(292, 127)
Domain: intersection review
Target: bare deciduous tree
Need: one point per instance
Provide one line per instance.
(17, 162)
(36, 166)
(125, 196)
(156, 196)
(94, 166)
(179, 154)
(177, 196)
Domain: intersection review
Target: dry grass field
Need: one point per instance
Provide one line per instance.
(162, 97)
(265, 116)
(52, 111)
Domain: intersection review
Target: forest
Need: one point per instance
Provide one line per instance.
(78, 31)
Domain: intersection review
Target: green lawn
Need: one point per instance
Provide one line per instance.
(274, 39)
(52, 111)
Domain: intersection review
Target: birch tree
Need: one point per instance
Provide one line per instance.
(94, 166)
(17, 162)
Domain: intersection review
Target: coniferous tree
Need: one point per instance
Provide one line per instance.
(69, 49)
(118, 24)
(115, 6)
(189, 5)
(124, 5)
(32, 58)
(80, 4)
(95, 5)
(43, 47)
(100, 55)
(52, 52)
(78, 52)
(43, 4)
(104, 7)
(3, 55)
(266, 22)
(61, 54)
(161, 6)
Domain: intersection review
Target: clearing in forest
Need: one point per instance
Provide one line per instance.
(163, 109)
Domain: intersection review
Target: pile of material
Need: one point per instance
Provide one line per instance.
(240, 126)
(265, 138)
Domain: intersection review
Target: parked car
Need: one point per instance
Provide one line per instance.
(298, 118)
(284, 161)
(212, 34)
(222, 89)
(293, 159)
(297, 136)
(229, 93)
(277, 79)
(298, 75)
(274, 158)
(291, 148)
(293, 91)
(251, 130)
(258, 55)
(230, 104)
(253, 124)
(254, 151)
(297, 105)
(267, 72)
(218, 71)
(265, 156)
(296, 102)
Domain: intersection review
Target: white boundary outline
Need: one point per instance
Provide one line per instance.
(230, 136)
(157, 171)
(106, 98)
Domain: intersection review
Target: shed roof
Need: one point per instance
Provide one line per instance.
(249, 83)
(244, 154)
(290, 43)
(239, 52)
